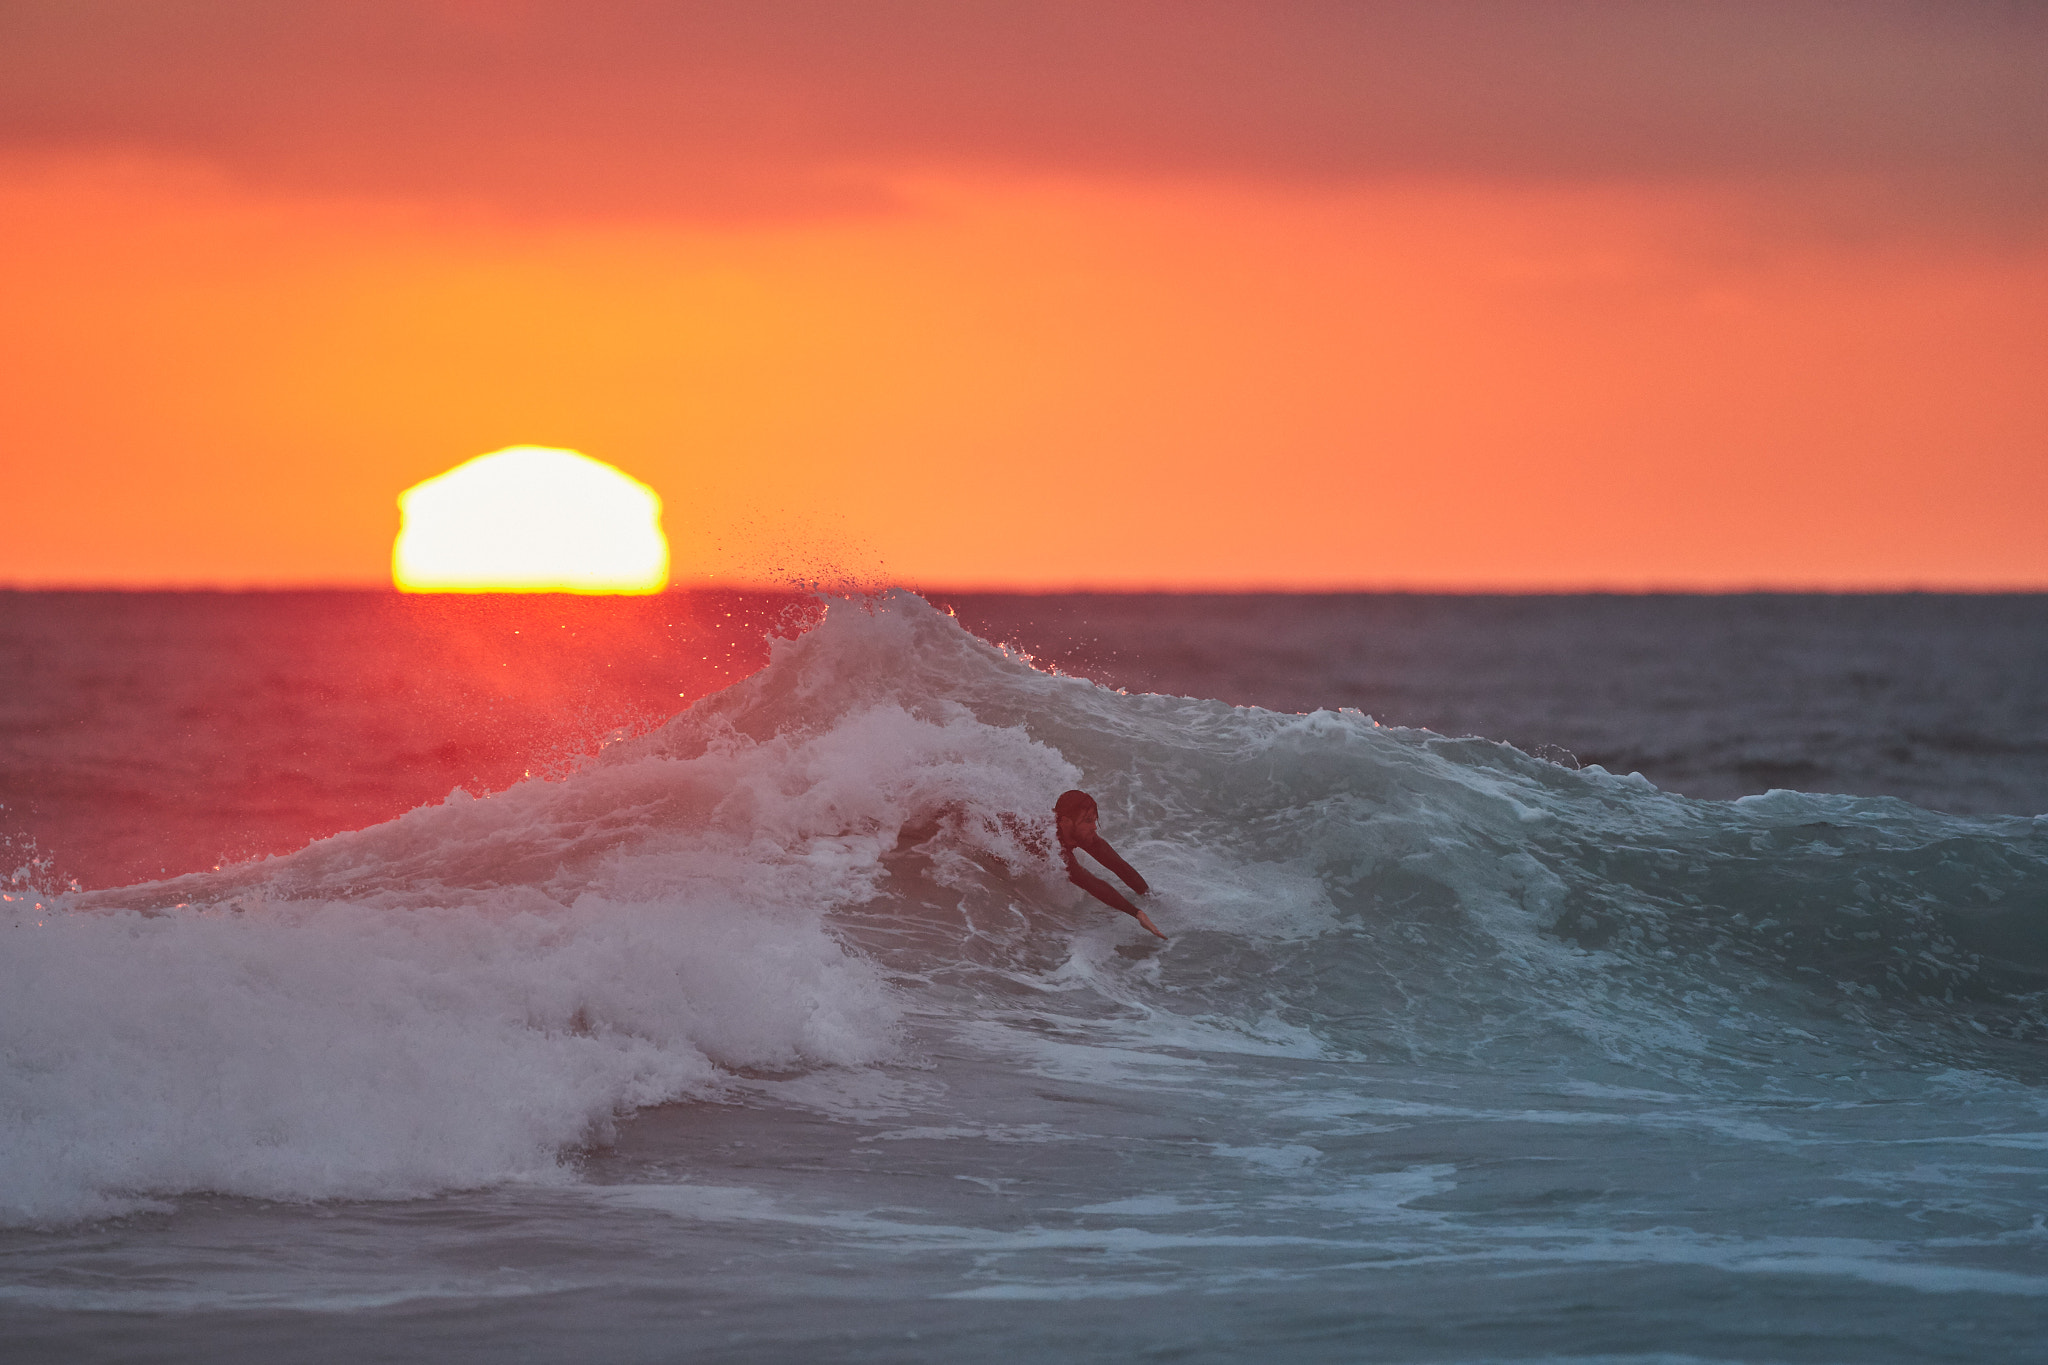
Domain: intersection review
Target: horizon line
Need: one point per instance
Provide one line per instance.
(1083, 588)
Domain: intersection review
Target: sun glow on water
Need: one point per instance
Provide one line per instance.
(530, 519)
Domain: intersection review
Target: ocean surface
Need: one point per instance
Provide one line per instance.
(687, 978)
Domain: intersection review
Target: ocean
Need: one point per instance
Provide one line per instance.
(687, 978)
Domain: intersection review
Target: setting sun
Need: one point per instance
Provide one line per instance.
(530, 519)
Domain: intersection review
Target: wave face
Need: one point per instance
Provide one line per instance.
(837, 868)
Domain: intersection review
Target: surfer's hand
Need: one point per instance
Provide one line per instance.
(1145, 920)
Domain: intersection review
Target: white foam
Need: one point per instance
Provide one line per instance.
(331, 1049)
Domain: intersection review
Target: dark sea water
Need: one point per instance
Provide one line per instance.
(415, 979)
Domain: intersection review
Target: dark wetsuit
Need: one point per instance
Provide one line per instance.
(1098, 848)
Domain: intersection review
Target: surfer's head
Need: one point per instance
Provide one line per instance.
(1073, 815)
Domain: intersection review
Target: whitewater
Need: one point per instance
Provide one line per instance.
(776, 1032)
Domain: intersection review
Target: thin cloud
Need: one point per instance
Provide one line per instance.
(779, 108)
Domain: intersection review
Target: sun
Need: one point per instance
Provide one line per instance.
(530, 519)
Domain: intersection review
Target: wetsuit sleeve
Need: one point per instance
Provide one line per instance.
(1100, 850)
(1095, 886)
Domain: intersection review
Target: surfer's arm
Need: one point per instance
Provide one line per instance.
(1104, 892)
(1100, 850)
(1098, 888)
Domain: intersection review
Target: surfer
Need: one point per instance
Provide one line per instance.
(1074, 818)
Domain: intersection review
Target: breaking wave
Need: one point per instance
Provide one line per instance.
(827, 862)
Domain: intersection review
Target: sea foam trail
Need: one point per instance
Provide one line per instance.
(791, 873)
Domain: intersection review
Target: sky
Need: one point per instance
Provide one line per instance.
(1519, 295)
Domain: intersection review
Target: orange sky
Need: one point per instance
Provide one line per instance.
(936, 335)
